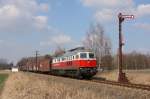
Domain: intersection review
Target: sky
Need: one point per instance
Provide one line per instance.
(30, 25)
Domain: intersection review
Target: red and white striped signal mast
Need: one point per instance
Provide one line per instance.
(122, 77)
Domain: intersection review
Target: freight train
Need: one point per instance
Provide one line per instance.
(78, 62)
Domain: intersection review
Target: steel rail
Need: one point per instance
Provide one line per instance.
(129, 85)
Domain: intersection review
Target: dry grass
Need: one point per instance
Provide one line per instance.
(134, 76)
(5, 72)
(36, 86)
(109, 75)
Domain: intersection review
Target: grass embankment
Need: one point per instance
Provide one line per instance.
(37, 86)
(134, 76)
(3, 78)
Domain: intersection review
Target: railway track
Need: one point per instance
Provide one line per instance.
(129, 85)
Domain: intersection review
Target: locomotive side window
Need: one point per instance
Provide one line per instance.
(67, 58)
(83, 55)
(72, 57)
(77, 56)
(63, 59)
(58, 60)
(91, 55)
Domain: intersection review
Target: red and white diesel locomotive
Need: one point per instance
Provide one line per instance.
(78, 62)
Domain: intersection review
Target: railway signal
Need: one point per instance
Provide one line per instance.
(122, 77)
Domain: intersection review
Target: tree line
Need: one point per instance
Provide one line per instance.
(4, 64)
(136, 60)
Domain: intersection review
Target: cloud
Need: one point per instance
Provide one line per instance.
(59, 40)
(143, 10)
(104, 15)
(19, 17)
(107, 10)
(22, 16)
(143, 50)
(107, 3)
(44, 7)
(143, 26)
(9, 11)
(40, 21)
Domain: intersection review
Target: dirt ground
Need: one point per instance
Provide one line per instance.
(37, 86)
(134, 76)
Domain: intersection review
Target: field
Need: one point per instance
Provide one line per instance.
(134, 76)
(3, 78)
(37, 86)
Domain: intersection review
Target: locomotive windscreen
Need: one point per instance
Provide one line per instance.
(91, 55)
(83, 55)
(87, 55)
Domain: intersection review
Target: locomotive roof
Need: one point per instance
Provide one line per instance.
(73, 52)
(78, 48)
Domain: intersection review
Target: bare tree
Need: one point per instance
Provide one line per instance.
(98, 42)
(59, 51)
(4, 64)
(3, 61)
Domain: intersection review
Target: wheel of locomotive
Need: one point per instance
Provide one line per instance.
(88, 77)
(79, 75)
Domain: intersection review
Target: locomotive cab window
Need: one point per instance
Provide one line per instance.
(91, 55)
(83, 55)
